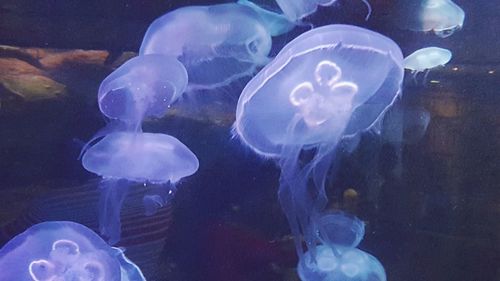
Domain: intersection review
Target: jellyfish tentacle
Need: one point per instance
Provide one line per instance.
(110, 203)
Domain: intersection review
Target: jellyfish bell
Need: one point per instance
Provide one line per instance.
(426, 59)
(328, 84)
(321, 81)
(142, 157)
(64, 251)
(295, 10)
(144, 86)
(339, 229)
(123, 159)
(442, 17)
(224, 43)
(339, 265)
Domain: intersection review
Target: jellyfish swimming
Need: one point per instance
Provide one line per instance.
(328, 84)
(425, 59)
(295, 10)
(126, 158)
(224, 43)
(336, 258)
(144, 86)
(442, 17)
(63, 250)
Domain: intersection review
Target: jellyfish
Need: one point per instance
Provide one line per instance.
(442, 17)
(336, 257)
(63, 250)
(327, 85)
(125, 158)
(295, 10)
(425, 59)
(144, 86)
(217, 44)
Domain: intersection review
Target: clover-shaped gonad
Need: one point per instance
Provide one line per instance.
(66, 263)
(324, 98)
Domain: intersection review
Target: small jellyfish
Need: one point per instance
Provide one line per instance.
(295, 10)
(442, 17)
(144, 86)
(340, 264)
(425, 59)
(64, 251)
(327, 85)
(336, 257)
(223, 43)
(126, 158)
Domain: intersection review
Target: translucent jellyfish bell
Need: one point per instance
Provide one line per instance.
(140, 157)
(144, 86)
(340, 229)
(329, 83)
(295, 10)
(225, 42)
(427, 58)
(127, 158)
(349, 264)
(443, 17)
(332, 80)
(64, 251)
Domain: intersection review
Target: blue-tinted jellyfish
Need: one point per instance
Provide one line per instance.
(427, 58)
(295, 10)
(336, 256)
(144, 86)
(442, 17)
(123, 159)
(64, 251)
(222, 44)
(328, 84)
(340, 264)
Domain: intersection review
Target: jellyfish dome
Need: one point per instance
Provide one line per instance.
(140, 157)
(295, 10)
(123, 159)
(442, 17)
(343, 264)
(64, 251)
(223, 43)
(427, 58)
(328, 84)
(332, 80)
(144, 86)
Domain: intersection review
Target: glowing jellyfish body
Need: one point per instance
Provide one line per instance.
(126, 158)
(329, 83)
(223, 43)
(64, 251)
(144, 86)
(427, 58)
(342, 264)
(336, 257)
(295, 10)
(443, 17)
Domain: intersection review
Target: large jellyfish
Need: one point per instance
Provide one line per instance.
(295, 10)
(123, 159)
(442, 17)
(328, 84)
(218, 43)
(64, 251)
(337, 258)
(144, 86)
